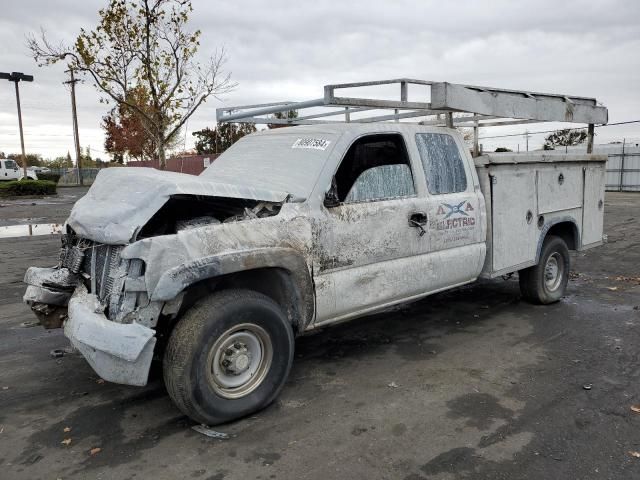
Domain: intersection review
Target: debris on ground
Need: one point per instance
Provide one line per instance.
(100, 381)
(209, 432)
(587, 386)
(66, 429)
(35, 323)
(634, 454)
(393, 385)
(613, 289)
(635, 408)
(61, 352)
(621, 278)
(66, 442)
(95, 450)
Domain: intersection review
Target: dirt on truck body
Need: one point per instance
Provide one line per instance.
(292, 229)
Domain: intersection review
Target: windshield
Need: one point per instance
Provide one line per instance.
(288, 162)
(10, 164)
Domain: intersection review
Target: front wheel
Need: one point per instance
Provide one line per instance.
(229, 356)
(546, 282)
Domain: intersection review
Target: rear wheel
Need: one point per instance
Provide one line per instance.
(546, 282)
(229, 356)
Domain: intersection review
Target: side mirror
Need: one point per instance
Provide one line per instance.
(331, 198)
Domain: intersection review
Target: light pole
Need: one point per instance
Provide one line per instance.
(76, 138)
(16, 77)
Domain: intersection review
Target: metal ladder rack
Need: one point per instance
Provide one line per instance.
(449, 104)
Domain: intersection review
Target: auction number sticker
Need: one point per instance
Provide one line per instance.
(313, 143)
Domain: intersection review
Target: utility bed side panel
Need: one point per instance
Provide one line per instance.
(527, 195)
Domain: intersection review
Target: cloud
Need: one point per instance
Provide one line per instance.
(287, 50)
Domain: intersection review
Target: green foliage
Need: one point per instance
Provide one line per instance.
(222, 137)
(51, 177)
(59, 162)
(16, 188)
(564, 138)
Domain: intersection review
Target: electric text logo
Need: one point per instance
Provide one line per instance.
(455, 216)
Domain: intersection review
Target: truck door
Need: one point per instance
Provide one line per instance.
(9, 170)
(456, 212)
(365, 243)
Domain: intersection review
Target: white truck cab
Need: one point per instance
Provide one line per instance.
(10, 170)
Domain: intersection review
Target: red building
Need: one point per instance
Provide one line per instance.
(191, 164)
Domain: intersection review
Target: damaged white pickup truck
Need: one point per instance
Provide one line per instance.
(293, 229)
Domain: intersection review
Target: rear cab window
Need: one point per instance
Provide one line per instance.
(443, 166)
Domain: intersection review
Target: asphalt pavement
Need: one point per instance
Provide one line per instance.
(471, 383)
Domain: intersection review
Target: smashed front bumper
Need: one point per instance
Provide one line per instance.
(118, 352)
(48, 293)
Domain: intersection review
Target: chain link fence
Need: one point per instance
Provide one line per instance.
(70, 176)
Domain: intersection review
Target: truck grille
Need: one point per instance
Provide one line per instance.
(102, 265)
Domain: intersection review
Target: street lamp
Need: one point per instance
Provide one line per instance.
(16, 77)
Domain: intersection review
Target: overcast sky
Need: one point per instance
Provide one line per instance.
(287, 50)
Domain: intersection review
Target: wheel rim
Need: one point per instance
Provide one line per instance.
(239, 360)
(553, 272)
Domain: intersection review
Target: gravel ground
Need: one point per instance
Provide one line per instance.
(472, 383)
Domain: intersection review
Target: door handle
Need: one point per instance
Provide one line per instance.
(418, 220)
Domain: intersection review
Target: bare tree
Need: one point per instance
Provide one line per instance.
(143, 43)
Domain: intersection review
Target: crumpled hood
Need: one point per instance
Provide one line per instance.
(123, 200)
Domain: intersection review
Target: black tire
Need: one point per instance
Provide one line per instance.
(535, 285)
(189, 360)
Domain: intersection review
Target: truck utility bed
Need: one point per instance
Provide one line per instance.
(526, 194)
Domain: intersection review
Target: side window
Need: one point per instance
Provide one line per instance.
(375, 167)
(442, 164)
(385, 181)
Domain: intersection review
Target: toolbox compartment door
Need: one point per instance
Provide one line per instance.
(593, 211)
(514, 233)
(559, 188)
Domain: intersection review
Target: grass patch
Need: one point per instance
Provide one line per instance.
(18, 188)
